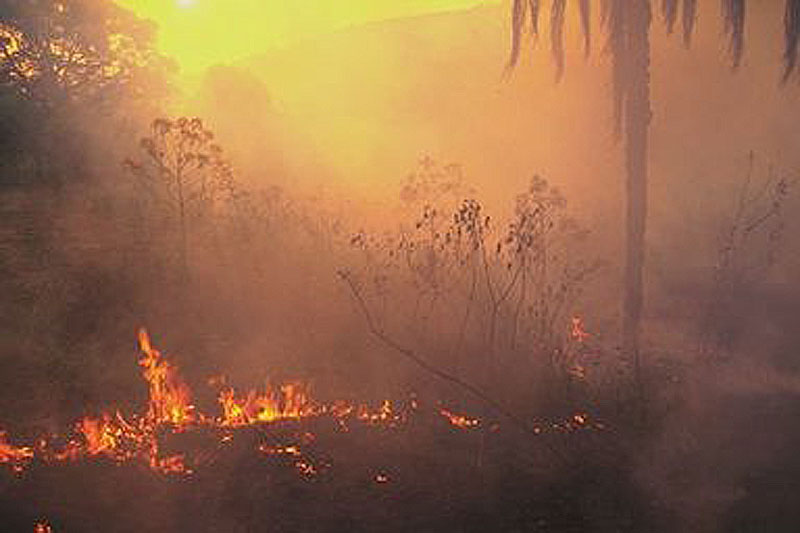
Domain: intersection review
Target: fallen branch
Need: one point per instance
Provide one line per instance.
(409, 354)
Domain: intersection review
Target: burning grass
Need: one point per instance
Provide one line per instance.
(154, 437)
(279, 438)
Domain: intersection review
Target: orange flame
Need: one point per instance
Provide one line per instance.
(291, 401)
(170, 411)
(169, 397)
(16, 456)
(42, 526)
(101, 436)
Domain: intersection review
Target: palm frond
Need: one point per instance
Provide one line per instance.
(519, 17)
(605, 10)
(733, 12)
(534, 6)
(586, 25)
(689, 18)
(791, 23)
(557, 35)
(517, 28)
(669, 10)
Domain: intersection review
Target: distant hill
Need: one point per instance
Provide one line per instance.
(369, 101)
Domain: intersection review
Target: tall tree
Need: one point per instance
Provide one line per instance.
(627, 24)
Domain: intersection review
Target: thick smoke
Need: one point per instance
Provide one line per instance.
(377, 207)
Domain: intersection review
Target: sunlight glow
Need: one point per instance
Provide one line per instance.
(260, 25)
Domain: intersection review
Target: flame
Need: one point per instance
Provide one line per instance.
(170, 398)
(10, 41)
(290, 401)
(42, 526)
(139, 437)
(17, 457)
(101, 435)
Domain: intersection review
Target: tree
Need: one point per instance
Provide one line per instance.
(79, 51)
(61, 61)
(184, 171)
(627, 23)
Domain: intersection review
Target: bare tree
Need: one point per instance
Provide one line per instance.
(183, 169)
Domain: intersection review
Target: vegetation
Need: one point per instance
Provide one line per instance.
(113, 219)
(628, 26)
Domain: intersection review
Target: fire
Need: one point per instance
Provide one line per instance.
(101, 435)
(575, 423)
(141, 437)
(385, 415)
(173, 464)
(291, 401)
(42, 526)
(459, 421)
(16, 457)
(170, 398)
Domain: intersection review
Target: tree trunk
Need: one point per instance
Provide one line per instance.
(184, 244)
(637, 122)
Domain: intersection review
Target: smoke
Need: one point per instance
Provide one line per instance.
(323, 136)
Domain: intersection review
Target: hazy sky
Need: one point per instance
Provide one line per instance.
(240, 28)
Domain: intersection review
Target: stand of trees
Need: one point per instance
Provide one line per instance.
(627, 24)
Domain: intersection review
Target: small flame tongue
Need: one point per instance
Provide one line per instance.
(42, 526)
(16, 456)
(291, 401)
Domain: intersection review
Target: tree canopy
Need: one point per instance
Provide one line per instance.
(53, 52)
(526, 14)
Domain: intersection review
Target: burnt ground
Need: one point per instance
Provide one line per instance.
(426, 475)
(423, 476)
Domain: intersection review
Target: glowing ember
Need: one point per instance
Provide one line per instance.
(385, 415)
(280, 450)
(460, 421)
(42, 527)
(578, 331)
(305, 468)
